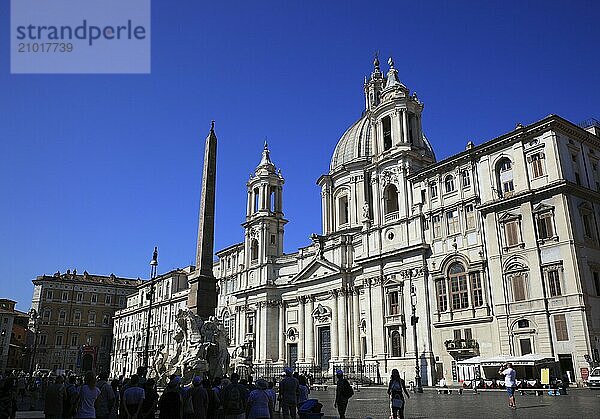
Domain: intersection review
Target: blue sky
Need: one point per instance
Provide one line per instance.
(98, 169)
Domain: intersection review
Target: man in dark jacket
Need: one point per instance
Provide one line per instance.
(234, 398)
(289, 392)
(343, 392)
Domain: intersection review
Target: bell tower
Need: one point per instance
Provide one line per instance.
(264, 213)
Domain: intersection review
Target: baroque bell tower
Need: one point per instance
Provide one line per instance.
(264, 216)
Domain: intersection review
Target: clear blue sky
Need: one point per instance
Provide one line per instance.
(98, 169)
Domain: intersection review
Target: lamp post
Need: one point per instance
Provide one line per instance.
(150, 297)
(413, 321)
(35, 318)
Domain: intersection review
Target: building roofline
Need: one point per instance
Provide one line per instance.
(517, 134)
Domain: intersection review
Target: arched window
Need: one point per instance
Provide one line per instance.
(396, 339)
(459, 293)
(504, 175)
(386, 123)
(343, 210)
(391, 199)
(226, 325)
(254, 250)
(449, 183)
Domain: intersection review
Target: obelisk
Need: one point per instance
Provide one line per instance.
(202, 298)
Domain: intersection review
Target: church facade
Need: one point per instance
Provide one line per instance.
(493, 251)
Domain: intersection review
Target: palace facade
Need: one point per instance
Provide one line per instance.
(492, 251)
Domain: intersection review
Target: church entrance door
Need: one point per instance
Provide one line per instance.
(293, 354)
(324, 348)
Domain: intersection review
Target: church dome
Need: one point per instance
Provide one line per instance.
(354, 144)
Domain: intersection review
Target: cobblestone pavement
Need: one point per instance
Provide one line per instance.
(373, 402)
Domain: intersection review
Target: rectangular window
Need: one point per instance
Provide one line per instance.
(466, 178)
(597, 283)
(394, 303)
(92, 319)
(387, 132)
(468, 334)
(587, 225)
(62, 317)
(518, 287)
(73, 340)
(525, 345)
(470, 217)
(508, 186)
(43, 339)
(59, 340)
(108, 299)
(49, 295)
(79, 297)
(511, 233)
(250, 324)
(459, 292)
(457, 334)
(545, 226)
(343, 210)
(433, 190)
(560, 324)
(65, 296)
(437, 226)
(554, 283)
(94, 298)
(442, 295)
(476, 289)
(537, 165)
(452, 221)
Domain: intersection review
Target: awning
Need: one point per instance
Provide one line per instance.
(530, 359)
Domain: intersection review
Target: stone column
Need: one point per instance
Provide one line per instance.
(356, 323)
(257, 333)
(334, 325)
(282, 332)
(405, 126)
(263, 341)
(309, 330)
(342, 325)
(302, 339)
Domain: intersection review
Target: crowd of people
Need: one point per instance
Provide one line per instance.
(136, 397)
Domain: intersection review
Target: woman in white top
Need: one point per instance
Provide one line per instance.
(88, 393)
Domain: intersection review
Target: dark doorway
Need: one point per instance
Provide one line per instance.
(566, 365)
(324, 348)
(293, 354)
(87, 362)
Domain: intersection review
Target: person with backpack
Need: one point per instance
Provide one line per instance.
(343, 392)
(71, 398)
(106, 399)
(234, 398)
(54, 400)
(260, 405)
(395, 391)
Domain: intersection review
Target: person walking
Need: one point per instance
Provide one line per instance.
(55, 399)
(304, 391)
(234, 398)
(343, 393)
(260, 405)
(510, 382)
(289, 392)
(88, 393)
(396, 391)
(106, 399)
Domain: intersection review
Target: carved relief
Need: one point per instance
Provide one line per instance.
(321, 314)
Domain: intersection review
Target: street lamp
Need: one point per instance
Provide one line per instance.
(150, 297)
(413, 321)
(35, 318)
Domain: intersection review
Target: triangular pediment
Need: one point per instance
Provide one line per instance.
(317, 268)
(392, 279)
(508, 216)
(542, 208)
